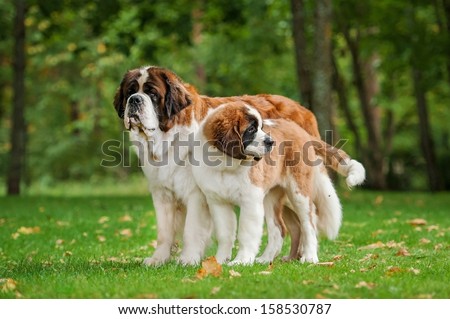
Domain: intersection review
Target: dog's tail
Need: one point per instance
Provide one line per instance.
(327, 202)
(328, 206)
(341, 162)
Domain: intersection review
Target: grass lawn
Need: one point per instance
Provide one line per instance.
(391, 245)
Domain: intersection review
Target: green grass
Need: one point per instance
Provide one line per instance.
(92, 246)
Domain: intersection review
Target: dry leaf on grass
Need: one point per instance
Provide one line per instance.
(402, 252)
(393, 270)
(234, 273)
(338, 257)
(61, 223)
(7, 284)
(369, 256)
(417, 222)
(363, 284)
(103, 219)
(101, 238)
(210, 266)
(215, 290)
(393, 244)
(29, 230)
(265, 273)
(126, 232)
(376, 245)
(433, 227)
(326, 264)
(425, 241)
(378, 200)
(125, 218)
(378, 232)
(414, 271)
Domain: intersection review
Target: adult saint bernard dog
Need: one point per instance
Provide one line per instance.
(162, 113)
(234, 174)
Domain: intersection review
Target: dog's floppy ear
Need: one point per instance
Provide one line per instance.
(231, 143)
(119, 100)
(176, 98)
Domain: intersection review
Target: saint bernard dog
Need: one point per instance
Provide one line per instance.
(162, 114)
(254, 169)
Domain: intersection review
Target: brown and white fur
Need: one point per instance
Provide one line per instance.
(236, 144)
(159, 109)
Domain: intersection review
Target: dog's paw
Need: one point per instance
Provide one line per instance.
(313, 259)
(242, 261)
(263, 260)
(188, 261)
(154, 261)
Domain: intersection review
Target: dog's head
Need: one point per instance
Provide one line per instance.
(236, 129)
(149, 97)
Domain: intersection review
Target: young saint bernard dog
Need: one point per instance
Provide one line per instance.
(235, 174)
(162, 114)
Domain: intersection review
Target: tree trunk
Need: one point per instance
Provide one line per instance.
(341, 89)
(367, 86)
(426, 139)
(197, 29)
(18, 131)
(322, 72)
(301, 54)
(447, 18)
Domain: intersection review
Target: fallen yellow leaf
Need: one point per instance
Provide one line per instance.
(414, 271)
(363, 284)
(376, 245)
(210, 266)
(393, 244)
(103, 219)
(393, 269)
(125, 218)
(126, 232)
(425, 241)
(215, 290)
(403, 252)
(378, 200)
(326, 264)
(29, 230)
(417, 222)
(7, 284)
(234, 273)
(432, 227)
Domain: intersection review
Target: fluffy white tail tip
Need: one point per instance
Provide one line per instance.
(356, 174)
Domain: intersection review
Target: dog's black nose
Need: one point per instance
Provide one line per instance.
(268, 143)
(135, 99)
(134, 103)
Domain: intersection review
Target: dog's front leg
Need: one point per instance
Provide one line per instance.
(251, 223)
(225, 225)
(164, 203)
(197, 230)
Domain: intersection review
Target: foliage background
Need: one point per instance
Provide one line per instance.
(77, 52)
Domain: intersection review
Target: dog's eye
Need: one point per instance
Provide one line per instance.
(150, 92)
(130, 91)
(251, 129)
